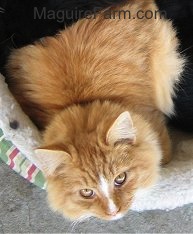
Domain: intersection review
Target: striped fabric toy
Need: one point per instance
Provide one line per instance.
(20, 164)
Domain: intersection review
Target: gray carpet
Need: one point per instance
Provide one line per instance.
(23, 209)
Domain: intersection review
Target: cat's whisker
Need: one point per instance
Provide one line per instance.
(78, 221)
(72, 226)
(2, 10)
(11, 37)
(182, 52)
(84, 218)
(189, 69)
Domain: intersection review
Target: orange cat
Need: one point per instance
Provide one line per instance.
(100, 91)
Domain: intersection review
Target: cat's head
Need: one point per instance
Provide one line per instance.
(97, 157)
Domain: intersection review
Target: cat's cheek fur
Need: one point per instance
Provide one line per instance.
(148, 172)
(63, 202)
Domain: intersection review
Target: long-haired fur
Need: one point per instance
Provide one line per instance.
(18, 28)
(99, 91)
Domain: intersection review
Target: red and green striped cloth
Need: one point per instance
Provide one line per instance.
(19, 163)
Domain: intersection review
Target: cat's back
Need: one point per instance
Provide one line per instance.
(108, 57)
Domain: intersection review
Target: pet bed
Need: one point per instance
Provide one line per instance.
(18, 138)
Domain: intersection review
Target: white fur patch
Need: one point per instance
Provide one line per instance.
(105, 189)
(104, 186)
(112, 206)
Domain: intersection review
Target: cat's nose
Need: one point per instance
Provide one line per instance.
(113, 213)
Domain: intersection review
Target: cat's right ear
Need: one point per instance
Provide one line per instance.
(49, 160)
(122, 130)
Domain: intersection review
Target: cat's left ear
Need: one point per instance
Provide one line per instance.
(49, 160)
(122, 130)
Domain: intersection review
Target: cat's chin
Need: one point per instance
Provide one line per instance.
(112, 217)
(116, 217)
(98, 216)
(105, 218)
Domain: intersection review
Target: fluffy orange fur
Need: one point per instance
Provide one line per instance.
(99, 91)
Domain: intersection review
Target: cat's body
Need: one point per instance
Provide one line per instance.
(100, 89)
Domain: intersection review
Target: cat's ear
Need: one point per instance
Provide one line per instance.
(49, 160)
(122, 130)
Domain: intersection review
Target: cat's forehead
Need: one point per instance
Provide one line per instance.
(102, 167)
(96, 163)
(96, 179)
(96, 158)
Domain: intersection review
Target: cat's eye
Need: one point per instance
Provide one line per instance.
(120, 179)
(87, 193)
